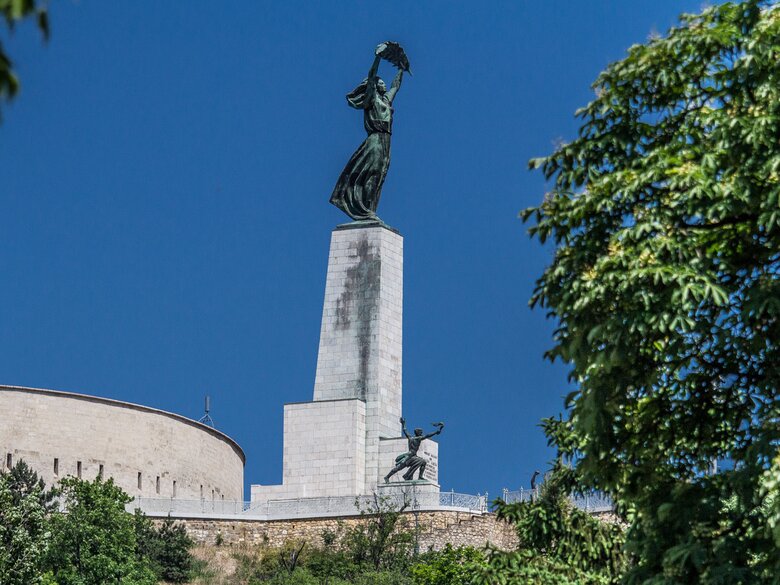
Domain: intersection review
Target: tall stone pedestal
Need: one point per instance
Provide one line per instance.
(338, 443)
(360, 339)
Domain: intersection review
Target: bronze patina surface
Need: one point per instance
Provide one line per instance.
(359, 187)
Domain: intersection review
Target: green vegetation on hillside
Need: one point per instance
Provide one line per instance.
(94, 541)
(558, 544)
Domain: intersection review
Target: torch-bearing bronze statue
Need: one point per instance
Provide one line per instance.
(410, 459)
(359, 187)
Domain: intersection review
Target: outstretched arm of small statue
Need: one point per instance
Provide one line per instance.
(436, 432)
(396, 85)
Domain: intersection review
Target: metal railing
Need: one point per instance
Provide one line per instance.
(591, 502)
(310, 507)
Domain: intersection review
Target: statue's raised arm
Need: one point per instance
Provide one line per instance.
(359, 187)
(403, 428)
(395, 86)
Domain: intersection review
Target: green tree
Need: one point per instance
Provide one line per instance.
(383, 539)
(22, 481)
(331, 563)
(558, 544)
(167, 548)
(665, 212)
(24, 536)
(13, 11)
(450, 566)
(94, 541)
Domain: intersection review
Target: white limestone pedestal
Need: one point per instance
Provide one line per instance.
(346, 439)
(419, 494)
(417, 486)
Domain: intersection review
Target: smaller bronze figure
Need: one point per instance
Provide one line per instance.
(410, 459)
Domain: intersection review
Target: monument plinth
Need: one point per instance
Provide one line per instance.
(361, 334)
(346, 439)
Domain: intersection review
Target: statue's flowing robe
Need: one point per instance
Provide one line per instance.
(360, 184)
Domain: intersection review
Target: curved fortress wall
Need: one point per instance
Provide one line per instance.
(149, 453)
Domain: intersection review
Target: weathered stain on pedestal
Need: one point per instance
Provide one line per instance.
(358, 304)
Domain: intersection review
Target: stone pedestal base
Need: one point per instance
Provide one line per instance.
(324, 451)
(346, 440)
(412, 495)
(419, 486)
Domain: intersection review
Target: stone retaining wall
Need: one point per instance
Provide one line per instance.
(435, 530)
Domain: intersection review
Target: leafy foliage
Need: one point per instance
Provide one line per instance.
(24, 536)
(558, 544)
(13, 11)
(379, 550)
(450, 566)
(94, 542)
(328, 565)
(167, 548)
(383, 539)
(23, 481)
(665, 212)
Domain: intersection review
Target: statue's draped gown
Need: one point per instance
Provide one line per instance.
(360, 184)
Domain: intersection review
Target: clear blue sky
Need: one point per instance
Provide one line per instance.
(164, 183)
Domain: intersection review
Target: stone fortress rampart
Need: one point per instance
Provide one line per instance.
(149, 453)
(433, 529)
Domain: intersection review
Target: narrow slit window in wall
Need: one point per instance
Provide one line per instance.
(157, 485)
(56, 466)
(9, 461)
(140, 483)
(100, 470)
(78, 469)
(174, 488)
(201, 492)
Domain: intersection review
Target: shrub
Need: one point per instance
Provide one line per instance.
(24, 536)
(94, 543)
(167, 548)
(451, 566)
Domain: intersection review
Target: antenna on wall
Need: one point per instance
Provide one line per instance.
(206, 418)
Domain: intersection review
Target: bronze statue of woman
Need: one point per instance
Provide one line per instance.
(360, 184)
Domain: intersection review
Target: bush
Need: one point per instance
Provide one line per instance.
(559, 544)
(451, 566)
(167, 548)
(298, 576)
(24, 536)
(389, 577)
(94, 543)
(383, 540)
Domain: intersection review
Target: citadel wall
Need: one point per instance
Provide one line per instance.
(149, 453)
(436, 529)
